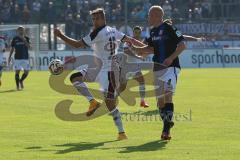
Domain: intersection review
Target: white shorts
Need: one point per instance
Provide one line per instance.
(20, 64)
(108, 80)
(166, 79)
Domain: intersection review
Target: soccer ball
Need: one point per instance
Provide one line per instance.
(56, 67)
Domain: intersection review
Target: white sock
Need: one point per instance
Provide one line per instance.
(117, 120)
(83, 90)
(142, 91)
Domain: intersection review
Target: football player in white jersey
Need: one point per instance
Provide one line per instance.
(2, 50)
(104, 41)
(132, 58)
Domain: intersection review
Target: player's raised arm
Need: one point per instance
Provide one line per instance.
(129, 52)
(139, 47)
(143, 50)
(186, 37)
(192, 38)
(68, 40)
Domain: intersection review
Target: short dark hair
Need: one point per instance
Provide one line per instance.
(137, 28)
(98, 11)
(20, 27)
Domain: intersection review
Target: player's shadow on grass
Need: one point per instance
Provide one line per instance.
(74, 147)
(34, 147)
(150, 146)
(147, 113)
(9, 91)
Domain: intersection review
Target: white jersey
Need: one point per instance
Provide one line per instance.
(105, 43)
(2, 47)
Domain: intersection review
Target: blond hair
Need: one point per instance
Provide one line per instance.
(98, 11)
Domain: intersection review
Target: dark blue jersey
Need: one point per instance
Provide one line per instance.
(164, 39)
(21, 49)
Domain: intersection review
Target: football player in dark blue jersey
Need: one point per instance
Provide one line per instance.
(20, 44)
(167, 43)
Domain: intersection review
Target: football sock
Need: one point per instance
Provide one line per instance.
(142, 91)
(83, 90)
(117, 120)
(17, 80)
(166, 114)
(24, 76)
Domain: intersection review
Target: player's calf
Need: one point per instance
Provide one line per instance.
(166, 114)
(166, 109)
(139, 77)
(24, 76)
(111, 103)
(118, 122)
(77, 80)
(17, 79)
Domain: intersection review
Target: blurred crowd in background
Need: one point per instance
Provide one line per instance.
(57, 11)
(75, 13)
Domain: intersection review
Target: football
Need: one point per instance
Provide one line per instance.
(56, 67)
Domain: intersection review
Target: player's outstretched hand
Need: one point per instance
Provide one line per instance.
(201, 39)
(57, 32)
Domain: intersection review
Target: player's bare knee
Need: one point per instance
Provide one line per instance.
(110, 103)
(17, 71)
(168, 97)
(139, 78)
(122, 87)
(76, 77)
(161, 102)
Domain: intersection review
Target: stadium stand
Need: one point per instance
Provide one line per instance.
(74, 14)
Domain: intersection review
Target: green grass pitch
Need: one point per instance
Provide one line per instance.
(30, 130)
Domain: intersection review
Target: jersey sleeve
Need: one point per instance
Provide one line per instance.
(119, 35)
(175, 34)
(91, 38)
(87, 40)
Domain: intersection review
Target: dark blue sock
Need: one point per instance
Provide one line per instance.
(17, 79)
(166, 114)
(24, 76)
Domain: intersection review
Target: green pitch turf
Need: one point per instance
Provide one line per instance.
(207, 103)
